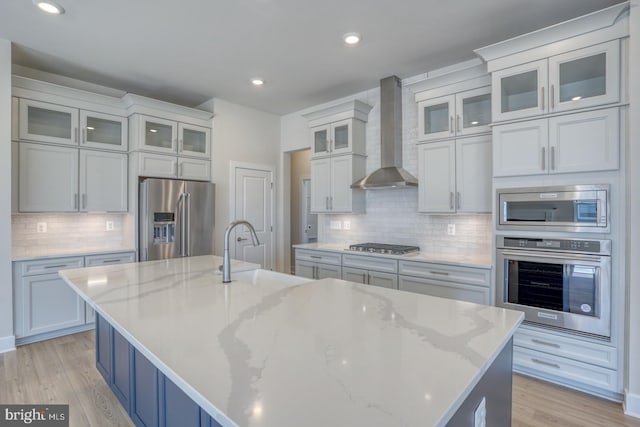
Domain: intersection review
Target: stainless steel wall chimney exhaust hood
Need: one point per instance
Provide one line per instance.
(391, 174)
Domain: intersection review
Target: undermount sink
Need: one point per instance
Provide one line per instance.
(267, 277)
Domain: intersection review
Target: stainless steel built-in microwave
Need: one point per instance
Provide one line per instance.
(577, 208)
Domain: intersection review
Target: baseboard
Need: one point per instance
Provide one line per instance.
(7, 343)
(631, 404)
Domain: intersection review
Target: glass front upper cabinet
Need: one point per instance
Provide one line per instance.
(585, 77)
(435, 118)
(103, 131)
(520, 91)
(160, 135)
(45, 122)
(194, 140)
(473, 111)
(320, 140)
(341, 137)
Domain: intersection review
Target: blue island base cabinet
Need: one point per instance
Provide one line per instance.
(150, 398)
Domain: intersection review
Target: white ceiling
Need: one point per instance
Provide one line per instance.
(188, 51)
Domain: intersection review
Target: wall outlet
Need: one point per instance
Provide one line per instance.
(346, 225)
(41, 227)
(335, 225)
(480, 414)
(109, 226)
(451, 229)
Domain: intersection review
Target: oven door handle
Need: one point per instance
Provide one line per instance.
(557, 256)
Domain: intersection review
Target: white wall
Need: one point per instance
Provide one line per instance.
(632, 386)
(246, 135)
(7, 341)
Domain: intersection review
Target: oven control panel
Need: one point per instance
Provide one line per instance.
(551, 244)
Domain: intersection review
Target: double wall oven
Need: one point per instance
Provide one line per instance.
(559, 277)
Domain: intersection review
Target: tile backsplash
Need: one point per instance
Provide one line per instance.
(68, 232)
(392, 214)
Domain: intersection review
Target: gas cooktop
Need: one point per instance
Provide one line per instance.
(384, 248)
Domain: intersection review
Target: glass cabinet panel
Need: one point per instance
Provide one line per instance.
(321, 140)
(582, 78)
(44, 122)
(519, 91)
(158, 135)
(341, 137)
(194, 140)
(476, 111)
(103, 131)
(436, 118)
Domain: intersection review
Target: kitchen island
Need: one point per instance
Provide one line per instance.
(268, 352)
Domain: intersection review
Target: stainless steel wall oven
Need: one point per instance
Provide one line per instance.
(563, 283)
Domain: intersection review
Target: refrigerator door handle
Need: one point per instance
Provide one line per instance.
(187, 235)
(181, 215)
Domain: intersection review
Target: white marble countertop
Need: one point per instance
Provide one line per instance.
(40, 253)
(476, 260)
(324, 353)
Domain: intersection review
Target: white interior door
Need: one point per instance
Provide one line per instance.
(254, 203)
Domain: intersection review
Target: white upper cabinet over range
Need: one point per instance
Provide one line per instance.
(580, 78)
(458, 114)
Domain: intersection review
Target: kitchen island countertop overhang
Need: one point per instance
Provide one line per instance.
(325, 352)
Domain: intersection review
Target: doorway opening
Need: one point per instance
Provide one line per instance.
(304, 224)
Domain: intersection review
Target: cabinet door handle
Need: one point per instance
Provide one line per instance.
(552, 97)
(326, 203)
(451, 200)
(545, 363)
(457, 200)
(553, 158)
(315, 257)
(317, 272)
(544, 154)
(181, 145)
(451, 124)
(75, 134)
(84, 136)
(542, 98)
(549, 344)
(331, 202)
(368, 279)
(458, 123)
(106, 261)
(364, 278)
(55, 266)
(441, 273)
(84, 201)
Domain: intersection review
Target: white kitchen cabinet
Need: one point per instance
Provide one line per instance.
(370, 270)
(44, 303)
(579, 142)
(577, 79)
(340, 137)
(59, 124)
(194, 141)
(46, 122)
(169, 136)
(445, 281)
(48, 178)
(163, 166)
(455, 175)
(331, 179)
(103, 181)
(458, 114)
(103, 131)
(195, 169)
(65, 179)
(318, 264)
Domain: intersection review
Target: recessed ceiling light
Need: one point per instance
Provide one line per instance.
(352, 39)
(257, 81)
(49, 7)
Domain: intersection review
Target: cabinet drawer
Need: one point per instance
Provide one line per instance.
(121, 258)
(319, 256)
(43, 266)
(436, 288)
(528, 360)
(472, 276)
(370, 263)
(582, 351)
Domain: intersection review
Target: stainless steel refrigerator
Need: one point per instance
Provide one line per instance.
(175, 218)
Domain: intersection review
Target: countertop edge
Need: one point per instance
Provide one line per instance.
(71, 254)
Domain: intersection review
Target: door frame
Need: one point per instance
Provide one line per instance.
(233, 166)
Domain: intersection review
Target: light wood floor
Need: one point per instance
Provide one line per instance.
(63, 370)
